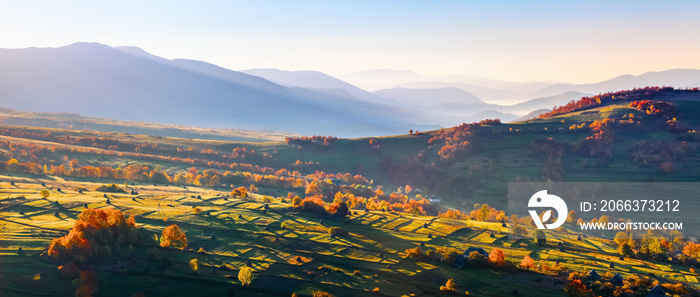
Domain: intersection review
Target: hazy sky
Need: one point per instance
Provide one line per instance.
(577, 41)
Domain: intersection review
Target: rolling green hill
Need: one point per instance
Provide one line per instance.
(189, 183)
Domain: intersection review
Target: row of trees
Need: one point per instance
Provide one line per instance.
(627, 95)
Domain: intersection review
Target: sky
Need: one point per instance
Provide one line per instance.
(571, 41)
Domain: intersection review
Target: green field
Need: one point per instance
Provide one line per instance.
(291, 250)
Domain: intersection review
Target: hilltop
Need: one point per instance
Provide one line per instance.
(237, 204)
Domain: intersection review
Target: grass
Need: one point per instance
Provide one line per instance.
(326, 264)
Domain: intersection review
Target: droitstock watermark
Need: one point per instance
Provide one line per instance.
(605, 208)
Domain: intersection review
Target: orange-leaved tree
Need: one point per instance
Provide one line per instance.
(498, 257)
(95, 233)
(173, 237)
(527, 262)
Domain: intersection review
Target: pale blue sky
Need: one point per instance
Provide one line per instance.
(577, 41)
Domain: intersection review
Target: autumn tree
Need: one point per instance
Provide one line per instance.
(527, 262)
(414, 253)
(625, 250)
(621, 237)
(173, 237)
(245, 275)
(449, 286)
(577, 289)
(194, 265)
(45, 194)
(572, 217)
(94, 234)
(497, 257)
(87, 284)
(692, 250)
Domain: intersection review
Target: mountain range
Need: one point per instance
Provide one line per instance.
(127, 83)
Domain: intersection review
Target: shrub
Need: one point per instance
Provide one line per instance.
(87, 284)
(112, 188)
(449, 286)
(338, 231)
(246, 276)
(577, 289)
(154, 254)
(194, 265)
(477, 258)
(69, 271)
(322, 294)
(197, 210)
(414, 253)
(375, 291)
(312, 207)
(44, 194)
(357, 273)
(449, 254)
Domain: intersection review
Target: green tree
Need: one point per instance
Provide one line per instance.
(625, 250)
(540, 237)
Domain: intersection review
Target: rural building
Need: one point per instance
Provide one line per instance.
(616, 280)
(656, 291)
(476, 249)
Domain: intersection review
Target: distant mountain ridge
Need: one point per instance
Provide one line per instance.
(127, 83)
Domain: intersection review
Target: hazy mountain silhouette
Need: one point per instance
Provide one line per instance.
(678, 78)
(430, 96)
(318, 81)
(129, 84)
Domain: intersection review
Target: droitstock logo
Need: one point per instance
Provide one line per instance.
(542, 199)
